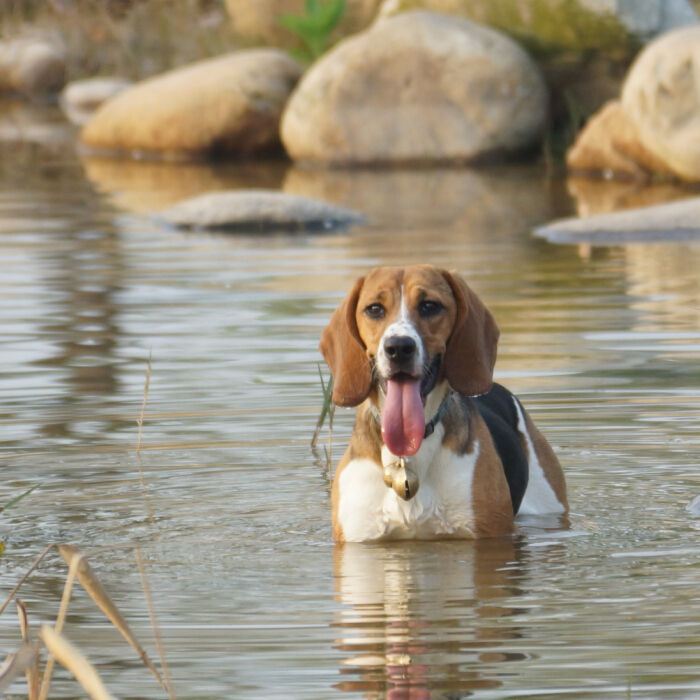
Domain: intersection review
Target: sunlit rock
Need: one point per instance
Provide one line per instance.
(258, 210)
(420, 86)
(654, 130)
(661, 97)
(33, 67)
(81, 98)
(581, 46)
(608, 145)
(226, 105)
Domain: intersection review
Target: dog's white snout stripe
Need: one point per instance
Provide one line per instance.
(402, 327)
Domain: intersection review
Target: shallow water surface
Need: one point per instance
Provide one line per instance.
(229, 504)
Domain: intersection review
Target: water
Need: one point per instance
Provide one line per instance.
(229, 504)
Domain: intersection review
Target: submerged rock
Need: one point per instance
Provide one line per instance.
(258, 210)
(32, 67)
(226, 105)
(420, 86)
(675, 221)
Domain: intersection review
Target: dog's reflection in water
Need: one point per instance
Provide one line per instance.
(426, 619)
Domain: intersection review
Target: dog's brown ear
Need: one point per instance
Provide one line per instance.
(345, 354)
(471, 348)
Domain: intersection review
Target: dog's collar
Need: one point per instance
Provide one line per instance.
(431, 424)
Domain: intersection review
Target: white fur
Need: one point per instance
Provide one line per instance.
(403, 326)
(539, 498)
(369, 510)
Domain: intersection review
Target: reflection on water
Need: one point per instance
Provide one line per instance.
(149, 186)
(603, 196)
(420, 618)
(231, 507)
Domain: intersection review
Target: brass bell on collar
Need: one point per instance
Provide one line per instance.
(401, 478)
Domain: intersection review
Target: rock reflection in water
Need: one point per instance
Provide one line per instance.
(143, 187)
(421, 620)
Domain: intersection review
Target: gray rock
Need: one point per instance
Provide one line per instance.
(420, 86)
(33, 67)
(675, 221)
(646, 19)
(81, 98)
(258, 210)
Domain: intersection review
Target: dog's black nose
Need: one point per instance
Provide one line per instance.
(400, 348)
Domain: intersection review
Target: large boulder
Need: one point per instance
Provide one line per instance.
(260, 20)
(565, 25)
(420, 86)
(229, 104)
(608, 144)
(583, 47)
(661, 98)
(654, 130)
(32, 67)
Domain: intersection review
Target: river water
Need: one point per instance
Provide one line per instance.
(229, 504)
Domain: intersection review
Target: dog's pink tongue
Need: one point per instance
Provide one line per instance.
(403, 420)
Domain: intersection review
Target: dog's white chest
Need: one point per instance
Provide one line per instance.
(369, 510)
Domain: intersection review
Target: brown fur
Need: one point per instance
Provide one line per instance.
(466, 336)
(491, 504)
(344, 353)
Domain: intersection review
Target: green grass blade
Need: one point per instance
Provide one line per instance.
(329, 15)
(17, 499)
(327, 388)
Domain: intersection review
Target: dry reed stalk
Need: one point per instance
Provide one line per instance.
(18, 585)
(154, 623)
(327, 406)
(71, 658)
(32, 671)
(62, 610)
(15, 663)
(96, 591)
(139, 421)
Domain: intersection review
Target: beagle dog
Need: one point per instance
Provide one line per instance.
(438, 450)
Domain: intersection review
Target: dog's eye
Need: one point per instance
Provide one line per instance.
(375, 311)
(429, 308)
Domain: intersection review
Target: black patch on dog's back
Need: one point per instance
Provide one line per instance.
(497, 408)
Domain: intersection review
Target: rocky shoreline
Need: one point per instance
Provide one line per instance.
(409, 83)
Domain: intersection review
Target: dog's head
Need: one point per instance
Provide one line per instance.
(405, 330)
